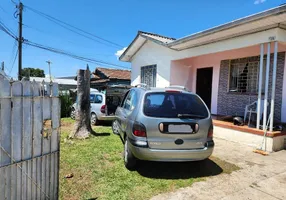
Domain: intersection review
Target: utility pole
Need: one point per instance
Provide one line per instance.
(49, 63)
(20, 40)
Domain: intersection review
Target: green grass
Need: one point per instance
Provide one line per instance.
(99, 172)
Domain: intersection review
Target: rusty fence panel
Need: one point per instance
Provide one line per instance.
(29, 140)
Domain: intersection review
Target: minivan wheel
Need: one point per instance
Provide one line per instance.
(115, 127)
(129, 158)
(93, 119)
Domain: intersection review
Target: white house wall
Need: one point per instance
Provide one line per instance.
(152, 54)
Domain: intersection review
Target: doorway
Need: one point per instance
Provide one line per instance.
(204, 84)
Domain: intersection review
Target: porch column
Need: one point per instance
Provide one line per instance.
(260, 86)
(273, 85)
(266, 86)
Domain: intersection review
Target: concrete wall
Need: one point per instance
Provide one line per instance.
(153, 54)
(270, 144)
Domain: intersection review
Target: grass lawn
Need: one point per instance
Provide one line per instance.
(99, 172)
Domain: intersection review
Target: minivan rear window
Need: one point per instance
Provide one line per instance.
(174, 105)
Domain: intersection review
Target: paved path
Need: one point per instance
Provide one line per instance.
(260, 177)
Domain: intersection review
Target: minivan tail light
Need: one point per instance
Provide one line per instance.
(196, 128)
(102, 109)
(139, 130)
(211, 131)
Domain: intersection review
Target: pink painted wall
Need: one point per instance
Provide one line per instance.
(186, 68)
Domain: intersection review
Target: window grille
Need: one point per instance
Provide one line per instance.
(244, 77)
(148, 75)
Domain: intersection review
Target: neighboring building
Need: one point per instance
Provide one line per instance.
(67, 77)
(64, 84)
(221, 64)
(103, 77)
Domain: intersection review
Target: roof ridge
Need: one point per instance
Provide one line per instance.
(155, 34)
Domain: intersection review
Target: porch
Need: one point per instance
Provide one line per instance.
(228, 81)
(273, 141)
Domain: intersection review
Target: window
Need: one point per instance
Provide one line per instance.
(130, 101)
(124, 98)
(244, 77)
(95, 98)
(148, 75)
(170, 105)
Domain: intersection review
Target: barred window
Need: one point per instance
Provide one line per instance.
(148, 75)
(244, 77)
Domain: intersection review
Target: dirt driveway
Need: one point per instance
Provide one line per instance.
(260, 177)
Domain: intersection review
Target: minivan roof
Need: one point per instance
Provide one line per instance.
(154, 89)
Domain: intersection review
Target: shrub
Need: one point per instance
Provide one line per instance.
(66, 103)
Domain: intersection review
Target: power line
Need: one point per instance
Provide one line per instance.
(3, 10)
(13, 62)
(5, 29)
(13, 2)
(59, 37)
(62, 52)
(73, 28)
(13, 51)
(59, 51)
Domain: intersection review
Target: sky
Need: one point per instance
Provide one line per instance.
(117, 21)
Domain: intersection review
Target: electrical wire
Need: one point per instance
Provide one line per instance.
(3, 10)
(13, 2)
(5, 29)
(14, 49)
(62, 52)
(13, 62)
(58, 37)
(73, 29)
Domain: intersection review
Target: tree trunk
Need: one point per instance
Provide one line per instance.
(83, 126)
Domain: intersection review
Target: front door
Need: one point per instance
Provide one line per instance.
(204, 84)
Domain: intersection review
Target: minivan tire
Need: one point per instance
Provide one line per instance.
(129, 158)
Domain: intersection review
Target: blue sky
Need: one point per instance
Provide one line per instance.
(114, 20)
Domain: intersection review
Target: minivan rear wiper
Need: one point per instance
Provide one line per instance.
(190, 116)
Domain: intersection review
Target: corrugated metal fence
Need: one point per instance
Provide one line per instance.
(29, 140)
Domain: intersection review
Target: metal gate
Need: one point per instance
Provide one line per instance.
(29, 140)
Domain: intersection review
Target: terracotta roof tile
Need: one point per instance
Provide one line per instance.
(114, 73)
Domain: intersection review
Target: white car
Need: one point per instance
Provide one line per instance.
(103, 106)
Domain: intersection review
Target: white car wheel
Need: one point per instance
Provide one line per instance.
(93, 119)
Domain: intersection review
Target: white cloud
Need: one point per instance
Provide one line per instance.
(120, 52)
(256, 2)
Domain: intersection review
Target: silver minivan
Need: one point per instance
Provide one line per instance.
(163, 124)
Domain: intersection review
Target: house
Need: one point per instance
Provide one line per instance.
(229, 66)
(64, 84)
(103, 77)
